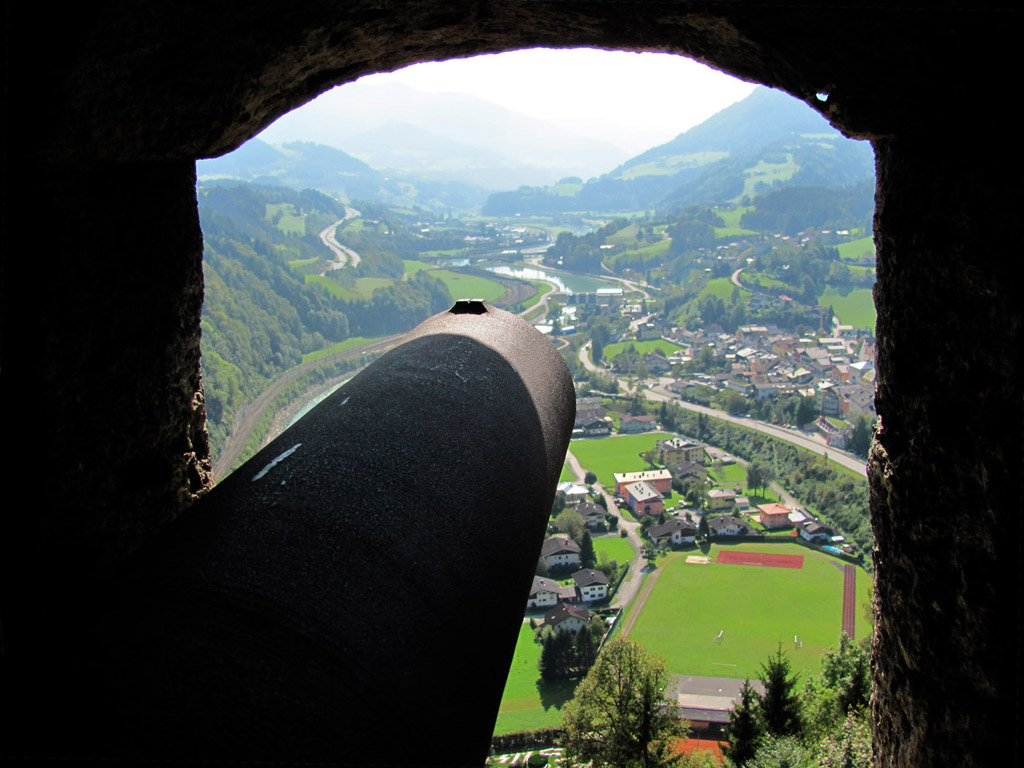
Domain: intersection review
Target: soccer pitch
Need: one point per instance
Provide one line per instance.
(753, 607)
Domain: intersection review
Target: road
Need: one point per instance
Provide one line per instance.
(343, 255)
(659, 393)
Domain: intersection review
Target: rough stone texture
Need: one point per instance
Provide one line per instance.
(945, 469)
(115, 102)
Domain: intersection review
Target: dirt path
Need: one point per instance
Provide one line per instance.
(638, 604)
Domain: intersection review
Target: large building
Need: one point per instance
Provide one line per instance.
(659, 479)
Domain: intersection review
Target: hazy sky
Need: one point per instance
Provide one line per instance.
(635, 100)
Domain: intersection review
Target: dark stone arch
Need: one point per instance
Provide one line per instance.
(121, 100)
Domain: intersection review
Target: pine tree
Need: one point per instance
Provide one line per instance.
(587, 555)
(779, 705)
(744, 729)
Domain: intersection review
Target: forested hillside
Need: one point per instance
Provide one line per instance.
(261, 312)
(767, 141)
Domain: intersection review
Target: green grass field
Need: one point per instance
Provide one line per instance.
(855, 250)
(754, 607)
(614, 546)
(607, 455)
(643, 347)
(722, 287)
(469, 286)
(289, 221)
(542, 288)
(527, 703)
(732, 226)
(341, 346)
(364, 287)
(857, 308)
(412, 266)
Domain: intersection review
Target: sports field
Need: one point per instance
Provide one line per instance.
(753, 607)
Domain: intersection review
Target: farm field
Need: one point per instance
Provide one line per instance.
(470, 286)
(604, 456)
(528, 704)
(754, 607)
(643, 347)
(856, 308)
(722, 287)
(341, 346)
(855, 250)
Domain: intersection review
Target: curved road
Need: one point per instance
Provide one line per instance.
(343, 255)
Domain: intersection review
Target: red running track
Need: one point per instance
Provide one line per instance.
(849, 599)
(769, 559)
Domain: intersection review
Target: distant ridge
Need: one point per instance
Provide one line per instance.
(767, 141)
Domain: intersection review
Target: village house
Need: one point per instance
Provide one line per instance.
(591, 585)
(565, 617)
(686, 470)
(774, 516)
(679, 449)
(644, 499)
(661, 479)
(815, 532)
(720, 499)
(543, 593)
(631, 425)
(560, 551)
(572, 494)
(594, 428)
(676, 530)
(595, 517)
(726, 525)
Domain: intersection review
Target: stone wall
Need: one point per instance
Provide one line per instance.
(102, 284)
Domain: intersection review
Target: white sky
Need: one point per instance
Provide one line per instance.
(635, 100)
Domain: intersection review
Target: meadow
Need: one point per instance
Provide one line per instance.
(469, 286)
(642, 347)
(753, 607)
(856, 307)
(607, 455)
(855, 250)
(529, 704)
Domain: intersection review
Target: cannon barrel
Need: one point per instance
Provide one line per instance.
(353, 593)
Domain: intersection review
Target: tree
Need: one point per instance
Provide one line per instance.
(744, 730)
(587, 555)
(571, 523)
(754, 475)
(850, 747)
(842, 688)
(618, 716)
(860, 440)
(590, 478)
(779, 704)
(650, 554)
(703, 530)
(779, 752)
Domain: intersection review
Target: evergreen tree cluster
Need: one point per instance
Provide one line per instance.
(824, 725)
(567, 655)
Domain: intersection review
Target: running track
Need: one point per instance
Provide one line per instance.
(849, 599)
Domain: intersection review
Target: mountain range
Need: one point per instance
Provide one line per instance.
(460, 149)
